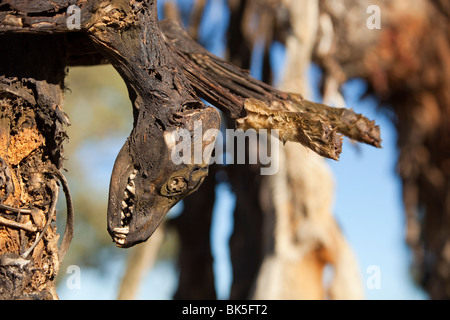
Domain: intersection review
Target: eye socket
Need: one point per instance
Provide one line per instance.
(174, 186)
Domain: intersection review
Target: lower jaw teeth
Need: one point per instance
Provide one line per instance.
(127, 206)
(120, 241)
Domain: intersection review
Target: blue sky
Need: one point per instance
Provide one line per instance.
(368, 203)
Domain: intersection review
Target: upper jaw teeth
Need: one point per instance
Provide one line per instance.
(127, 204)
(131, 188)
(124, 230)
(120, 234)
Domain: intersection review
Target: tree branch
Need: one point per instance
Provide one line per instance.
(255, 104)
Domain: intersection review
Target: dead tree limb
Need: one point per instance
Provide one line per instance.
(255, 104)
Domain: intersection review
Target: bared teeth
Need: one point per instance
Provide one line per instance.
(131, 189)
(124, 230)
(119, 241)
(121, 236)
(127, 203)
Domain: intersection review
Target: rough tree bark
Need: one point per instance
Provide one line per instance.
(31, 135)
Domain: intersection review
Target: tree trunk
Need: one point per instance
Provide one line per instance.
(31, 135)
